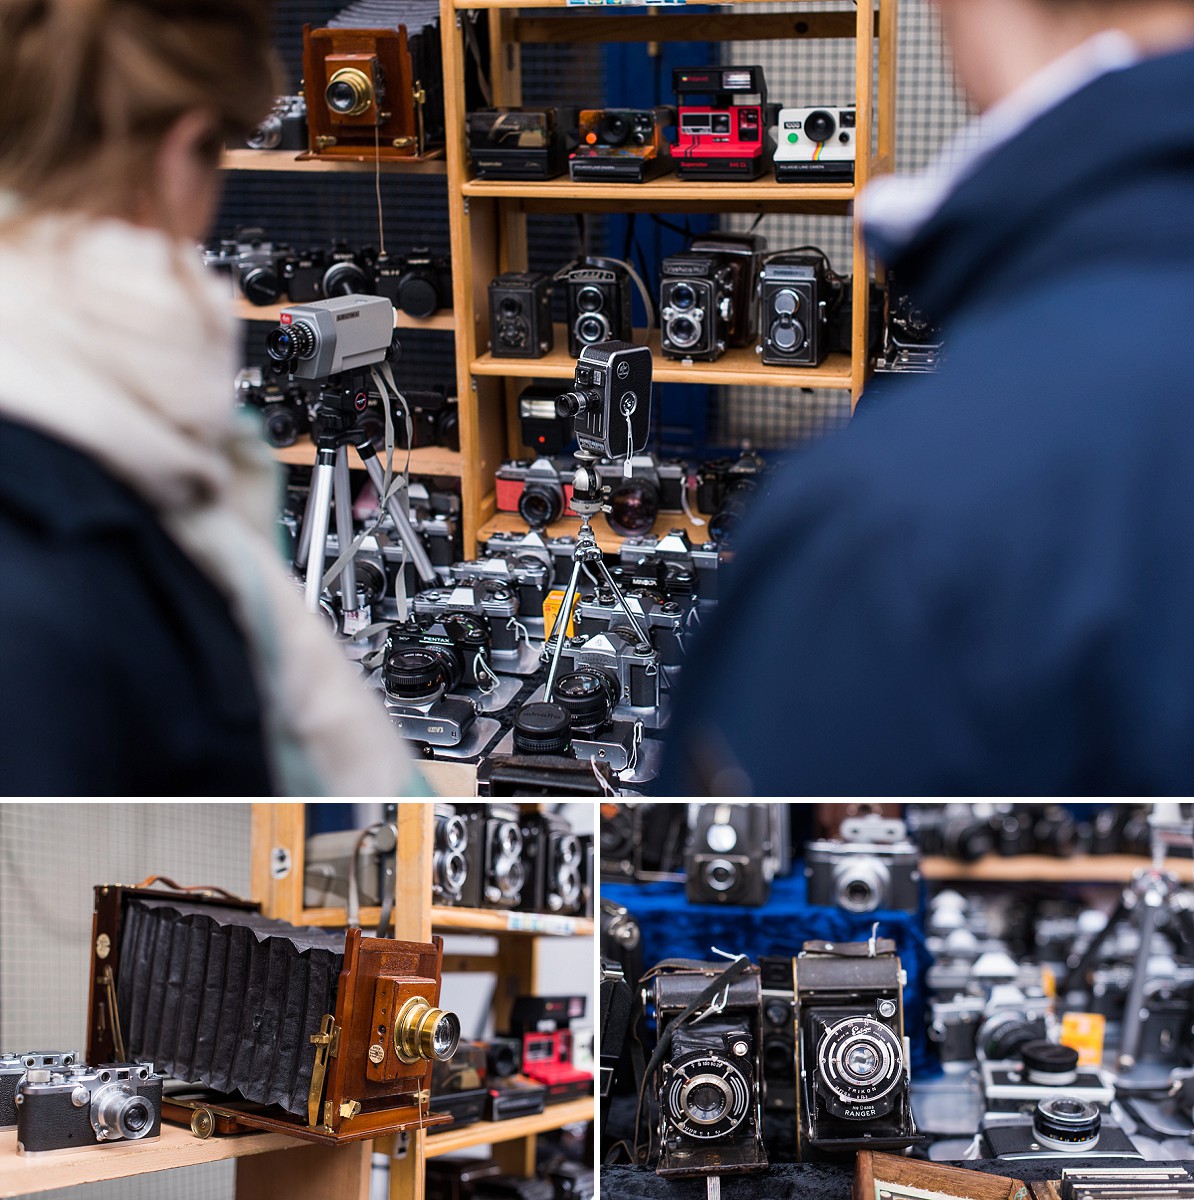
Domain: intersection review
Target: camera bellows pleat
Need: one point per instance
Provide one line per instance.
(226, 998)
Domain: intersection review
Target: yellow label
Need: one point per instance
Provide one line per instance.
(1049, 982)
(1084, 1032)
(551, 610)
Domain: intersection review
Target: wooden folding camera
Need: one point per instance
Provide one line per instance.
(325, 1035)
(372, 93)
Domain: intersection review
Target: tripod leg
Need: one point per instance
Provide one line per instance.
(406, 531)
(561, 626)
(342, 494)
(612, 584)
(318, 516)
(1129, 1042)
(1077, 977)
(303, 550)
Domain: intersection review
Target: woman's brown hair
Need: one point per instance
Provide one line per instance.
(88, 88)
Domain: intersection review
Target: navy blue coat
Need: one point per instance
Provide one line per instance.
(986, 583)
(121, 671)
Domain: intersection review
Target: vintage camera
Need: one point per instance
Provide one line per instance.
(450, 1177)
(315, 341)
(610, 401)
(670, 564)
(284, 129)
(746, 250)
(815, 145)
(459, 1085)
(725, 489)
(562, 883)
(13, 1068)
(526, 575)
(285, 412)
(504, 869)
(547, 1059)
(539, 491)
(597, 302)
(637, 497)
(1013, 1016)
(254, 262)
(853, 1060)
(489, 602)
(626, 145)
(1038, 1070)
(872, 866)
(520, 323)
(419, 282)
(434, 420)
(571, 1180)
(696, 304)
(729, 856)
(435, 516)
(519, 143)
(911, 342)
(953, 1025)
(723, 138)
(797, 296)
(78, 1105)
(665, 622)
(710, 1107)
(632, 665)
(959, 831)
(779, 1034)
(643, 842)
(318, 274)
(1060, 1125)
(456, 859)
(617, 1008)
(503, 1056)
(578, 724)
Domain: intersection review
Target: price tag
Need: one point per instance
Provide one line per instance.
(540, 923)
(1084, 1032)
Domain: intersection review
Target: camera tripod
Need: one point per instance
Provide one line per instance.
(342, 400)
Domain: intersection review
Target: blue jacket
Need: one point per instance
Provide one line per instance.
(986, 584)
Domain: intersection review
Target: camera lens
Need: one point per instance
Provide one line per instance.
(787, 334)
(540, 504)
(590, 299)
(420, 674)
(682, 295)
(281, 425)
(588, 696)
(267, 135)
(345, 278)
(260, 285)
(859, 1062)
(633, 508)
(614, 129)
(290, 341)
(455, 833)
(1004, 1034)
(503, 1059)
(510, 307)
(820, 125)
(1066, 1124)
(861, 884)
(720, 875)
(592, 329)
(509, 839)
(572, 404)
(417, 294)
(349, 92)
(707, 1096)
(116, 1112)
(706, 1100)
(541, 728)
(683, 332)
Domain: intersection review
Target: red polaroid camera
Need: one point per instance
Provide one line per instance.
(547, 1059)
(725, 137)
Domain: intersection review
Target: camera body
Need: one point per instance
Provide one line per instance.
(636, 498)
(284, 129)
(519, 143)
(462, 640)
(729, 859)
(254, 262)
(285, 412)
(725, 488)
(911, 342)
(696, 303)
(597, 303)
(953, 1025)
(795, 297)
(418, 282)
(670, 564)
(561, 870)
(456, 864)
(14, 1067)
(539, 491)
(643, 842)
(434, 420)
(815, 145)
(724, 138)
(78, 1105)
(610, 403)
(1059, 1126)
(746, 250)
(527, 576)
(626, 145)
(329, 337)
(872, 866)
(853, 1059)
(663, 621)
(489, 601)
(778, 1017)
(504, 870)
(634, 666)
(520, 324)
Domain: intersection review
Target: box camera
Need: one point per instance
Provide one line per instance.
(597, 302)
(725, 137)
(610, 401)
(519, 143)
(815, 145)
(456, 859)
(504, 870)
(623, 144)
(539, 491)
(284, 129)
(419, 282)
(796, 295)
(710, 1111)
(78, 1105)
(725, 489)
(745, 249)
(853, 1064)
(520, 323)
(253, 261)
(665, 622)
(1060, 1125)
(779, 1039)
(872, 866)
(638, 494)
(503, 1056)
(670, 564)
(315, 341)
(729, 856)
(696, 304)
(13, 1068)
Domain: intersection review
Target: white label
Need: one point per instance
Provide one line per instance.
(540, 923)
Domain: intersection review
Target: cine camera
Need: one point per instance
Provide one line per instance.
(328, 337)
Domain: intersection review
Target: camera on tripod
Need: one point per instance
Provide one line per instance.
(329, 337)
(610, 401)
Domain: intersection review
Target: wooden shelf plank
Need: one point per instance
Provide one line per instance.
(734, 368)
(427, 460)
(607, 539)
(444, 321)
(1037, 868)
(487, 1133)
(466, 920)
(665, 26)
(282, 160)
(24, 1174)
(613, 7)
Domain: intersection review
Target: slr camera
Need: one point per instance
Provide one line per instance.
(520, 324)
(729, 856)
(871, 866)
(539, 491)
(779, 1025)
(520, 143)
(670, 564)
(341, 271)
(253, 261)
(632, 665)
(745, 250)
(710, 1104)
(284, 129)
(853, 1060)
(597, 302)
(78, 1105)
(586, 698)
(636, 499)
(526, 575)
(285, 412)
(664, 621)
(815, 145)
(504, 873)
(456, 859)
(434, 419)
(797, 297)
(610, 401)
(725, 488)
(419, 282)
(960, 831)
(696, 304)
(13, 1068)
(724, 137)
(329, 337)
(488, 601)
(623, 144)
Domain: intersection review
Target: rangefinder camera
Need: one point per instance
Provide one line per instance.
(284, 129)
(873, 865)
(623, 144)
(815, 145)
(13, 1068)
(346, 333)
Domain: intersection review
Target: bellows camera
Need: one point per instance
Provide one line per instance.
(723, 138)
(853, 1072)
(815, 145)
(610, 401)
(796, 294)
(597, 302)
(696, 303)
(349, 1025)
(623, 144)
(315, 341)
(519, 143)
(520, 315)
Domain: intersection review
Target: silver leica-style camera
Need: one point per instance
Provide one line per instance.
(664, 621)
(329, 337)
(79, 1105)
(284, 129)
(13, 1068)
(504, 873)
(873, 865)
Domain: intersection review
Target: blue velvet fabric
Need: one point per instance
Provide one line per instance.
(673, 928)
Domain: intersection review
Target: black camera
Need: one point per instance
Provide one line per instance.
(779, 1037)
(725, 488)
(610, 404)
(503, 1056)
(623, 144)
(78, 1105)
(665, 622)
(284, 129)
(853, 1069)
(254, 262)
(729, 859)
(597, 302)
(952, 830)
(560, 867)
(798, 295)
(490, 602)
(285, 412)
(621, 941)
(349, 272)
(456, 859)
(640, 489)
(504, 869)
(911, 342)
(434, 420)
(643, 842)
(872, 865)
(696, 303)
(520, 143)
(520, 323)
(418, 283)
(586, 698)
(670, 564)
(745, 249)
(617, 1007)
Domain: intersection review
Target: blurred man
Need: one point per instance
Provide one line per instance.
(986, 585)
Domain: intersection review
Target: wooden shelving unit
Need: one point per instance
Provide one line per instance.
(1036, 868)
(427, 460)
(489, 218)
(492, 1133)
(283, 160)
(607, 539)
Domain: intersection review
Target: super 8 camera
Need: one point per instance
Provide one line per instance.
(329, 337)
(724, 138)
(610, 401)
(815, 145)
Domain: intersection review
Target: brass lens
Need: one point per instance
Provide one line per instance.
(349, 92)
(421, 1031)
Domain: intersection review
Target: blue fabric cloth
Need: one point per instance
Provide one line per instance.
(985, 584)
(672, 928)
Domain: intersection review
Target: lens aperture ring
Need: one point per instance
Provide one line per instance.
(706, 1096)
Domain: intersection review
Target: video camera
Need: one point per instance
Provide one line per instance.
(329, 337)
(610, 401)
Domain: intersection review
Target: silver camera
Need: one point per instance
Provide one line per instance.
(872, 866)
(14, 1067)
(328, 337)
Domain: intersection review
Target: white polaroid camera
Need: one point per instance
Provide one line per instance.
(815, 145)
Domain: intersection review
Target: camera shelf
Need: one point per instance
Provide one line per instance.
(276, 160)
(485, 1133)
(424, 460)
(607, 539)
(1038, 868)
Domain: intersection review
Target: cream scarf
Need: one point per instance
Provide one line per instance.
(114, 340)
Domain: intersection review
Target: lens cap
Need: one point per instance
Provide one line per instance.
(1043, 1059)
(541, 728)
